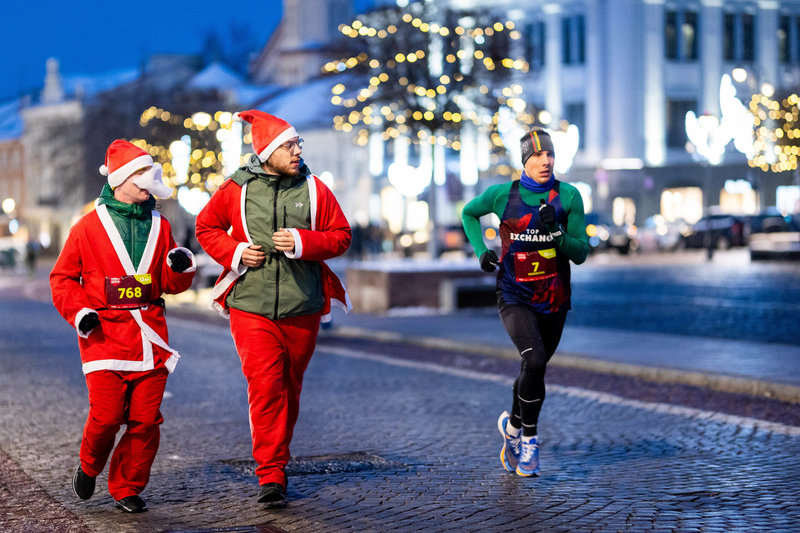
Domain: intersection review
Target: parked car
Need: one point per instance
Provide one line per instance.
(775, 237)
(717, 231)
(767, 222)
(605, 234)
(658, 234)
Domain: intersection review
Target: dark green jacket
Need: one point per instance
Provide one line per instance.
(281, 287)
(133, 221)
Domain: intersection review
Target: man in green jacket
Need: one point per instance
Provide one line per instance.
(272, 225)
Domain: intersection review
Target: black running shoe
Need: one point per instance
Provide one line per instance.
(82, 484)
(131, 504)
(273, 494)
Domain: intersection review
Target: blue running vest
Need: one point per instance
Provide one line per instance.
(532, 271)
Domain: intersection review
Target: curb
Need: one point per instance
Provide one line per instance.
(717, 382)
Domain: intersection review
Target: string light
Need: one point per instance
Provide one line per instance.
(777, 130)
(206, 158)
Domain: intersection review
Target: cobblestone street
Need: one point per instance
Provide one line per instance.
(385, 443)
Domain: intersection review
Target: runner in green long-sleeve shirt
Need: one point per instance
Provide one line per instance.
(542, 229)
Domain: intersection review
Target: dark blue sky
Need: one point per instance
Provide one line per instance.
(94, 36)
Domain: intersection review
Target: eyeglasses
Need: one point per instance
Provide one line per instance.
(289, 146)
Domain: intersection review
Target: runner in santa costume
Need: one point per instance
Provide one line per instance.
(271, 225)
(107, 282)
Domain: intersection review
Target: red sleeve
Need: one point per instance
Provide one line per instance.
(332, 236)
(172, 282)
(68, 293)
(214, 221)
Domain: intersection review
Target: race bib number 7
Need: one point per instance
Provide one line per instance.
(534, 266)
(128, 292)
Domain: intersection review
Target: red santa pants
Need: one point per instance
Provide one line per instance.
(274, 355)
(116, 398)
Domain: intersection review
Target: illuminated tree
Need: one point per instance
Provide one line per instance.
(433, 75)
(424, 80)
(777, 131)
(159, 114)
(197, 152)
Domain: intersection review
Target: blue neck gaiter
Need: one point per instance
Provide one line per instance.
(532, 185)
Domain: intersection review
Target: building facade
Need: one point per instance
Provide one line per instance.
(626, 72)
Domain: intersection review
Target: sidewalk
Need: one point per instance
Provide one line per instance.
(761, 369)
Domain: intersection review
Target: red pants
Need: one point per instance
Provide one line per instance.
(274, 355)
(116, 398)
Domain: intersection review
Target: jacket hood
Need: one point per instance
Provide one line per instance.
(253, 170)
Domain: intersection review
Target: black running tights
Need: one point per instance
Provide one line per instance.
(536, 337)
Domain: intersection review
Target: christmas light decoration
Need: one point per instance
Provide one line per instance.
(709, 136)
(436, 76)
(196, 152)
(777, 132)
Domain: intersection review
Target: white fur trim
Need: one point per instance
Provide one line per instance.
(298, 244)
(285, 135)
(150, 247)
(156, 339)
(115, 364)
(222, 286)
(236, 261)
(117, 177)
(116, 240)
(82, 313)
(224, 313)
(242, 209)
(119, 246)
(188, 252)
(312, 195)
(146, 363)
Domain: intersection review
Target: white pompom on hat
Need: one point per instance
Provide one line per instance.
(123, 158)
(268, 131)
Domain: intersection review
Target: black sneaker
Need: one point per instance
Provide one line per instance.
(273, 494)
(131, 504)
(82, 484)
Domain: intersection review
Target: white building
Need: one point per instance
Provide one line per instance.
(626, 72)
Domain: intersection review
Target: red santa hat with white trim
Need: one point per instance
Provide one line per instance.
(123, 158)
(268, 131)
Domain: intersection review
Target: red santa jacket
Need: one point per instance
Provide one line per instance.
(127, 339)
(220, 230)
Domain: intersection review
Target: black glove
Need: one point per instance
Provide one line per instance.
(179, 261)
(489, 261)
(547, 214)
(89, 322)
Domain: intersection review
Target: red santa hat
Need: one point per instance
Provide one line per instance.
(123, 159)
(268, 131)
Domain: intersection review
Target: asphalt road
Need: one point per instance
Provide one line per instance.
(729, 297)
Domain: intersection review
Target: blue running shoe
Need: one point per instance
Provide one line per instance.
(528, 464)
(509, 454)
